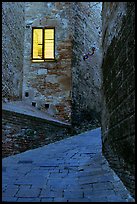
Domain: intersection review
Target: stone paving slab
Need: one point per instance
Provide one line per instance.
(71, 170)
(28, 200)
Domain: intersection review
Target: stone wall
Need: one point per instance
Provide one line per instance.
(22, 132)
(69, 78)
(13, 22)
(49, 82)
(118, 117)
(86, 75)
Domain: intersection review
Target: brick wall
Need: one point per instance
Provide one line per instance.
(12, 49)
(86, 75)
(23, 132)
(49, 82)
(118, 123)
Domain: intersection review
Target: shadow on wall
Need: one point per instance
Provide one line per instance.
(86, 120)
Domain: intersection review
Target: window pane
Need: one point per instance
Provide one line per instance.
(37, 43)
(49, 49)
(49, 44)
(49, 34)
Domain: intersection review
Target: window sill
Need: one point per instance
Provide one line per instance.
(41, 61)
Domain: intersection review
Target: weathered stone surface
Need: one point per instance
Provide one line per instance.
(86, 75)
(118, 118)
(13, 23)
(52, 86)
(68, 82)
(42, 169)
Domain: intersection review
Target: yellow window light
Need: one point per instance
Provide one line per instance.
(43, 47)
(37, 43)
(49, 44)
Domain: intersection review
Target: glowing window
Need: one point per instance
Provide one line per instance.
(43, 45)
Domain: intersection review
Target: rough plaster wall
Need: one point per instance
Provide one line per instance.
(86, 75)
(118, 117)
(12, 49)
(49, 82)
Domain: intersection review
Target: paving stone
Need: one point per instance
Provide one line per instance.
(55, 177)
(48, 166)
(32, 180)
(98, 192)
(115, 198)
(50, 169)
(41, 172)
(73, 193)
(72, 175)
(78, 200)
(28, 193)
(49, 193)
(58, 175)
(60, 199)
(23, 181)
(47, 200)
(70, 168)
(55, 181)
(24, 187)
(28, 200)
(90, 172)
(97, 198)
(10, 191)
(103, 185)
(87, 187)
(74, 186)
(25, 161)
(94, 179)
(7, 180)
(9, 199)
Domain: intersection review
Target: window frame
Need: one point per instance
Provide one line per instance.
(43, 59)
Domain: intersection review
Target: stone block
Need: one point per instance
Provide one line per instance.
(73, 194)
(28, 200)
(51, 194)
(12, 55)
(28, 192)
(9, 199)
(10, 191)
(42, 71)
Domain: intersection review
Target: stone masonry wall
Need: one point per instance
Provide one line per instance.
(86, 75)
(24, 132)
(118, 117)
(49, 82)
(13, 22)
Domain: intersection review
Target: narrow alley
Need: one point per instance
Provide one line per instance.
(68, 101)
(70, 170)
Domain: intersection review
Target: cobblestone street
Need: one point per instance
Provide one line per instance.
(71, 170)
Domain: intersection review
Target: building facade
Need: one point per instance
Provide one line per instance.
(61, 85)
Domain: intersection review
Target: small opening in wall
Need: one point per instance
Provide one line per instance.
(46, 106)
(26, 94)
(34, 104)
(27, 26)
